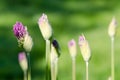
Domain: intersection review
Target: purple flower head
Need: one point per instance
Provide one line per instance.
(19, 30)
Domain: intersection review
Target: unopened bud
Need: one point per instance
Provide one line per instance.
(72, 48)
(84, 47)
(45, 27)
(23, 61)
(112, 27)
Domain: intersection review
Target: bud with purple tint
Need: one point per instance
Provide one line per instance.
(112, 27)
(72, 48)
(23, 61)
(84, 47)
(45, 27)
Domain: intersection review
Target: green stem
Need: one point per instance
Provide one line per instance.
(87, 74)
(112, 58)
(56, 69)
(48, 71)
(73, 69)
(29, 67)
(52, 71)
(25, 75)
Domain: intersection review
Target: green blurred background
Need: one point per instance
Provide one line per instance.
(69, 19)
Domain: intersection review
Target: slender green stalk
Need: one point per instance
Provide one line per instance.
(112, 58)
(53, 71)
(56, 69)
(29, 67)
(48, 72)
(25, 75)
(73, 69)
(87, 74)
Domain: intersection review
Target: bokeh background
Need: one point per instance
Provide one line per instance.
(69, 19)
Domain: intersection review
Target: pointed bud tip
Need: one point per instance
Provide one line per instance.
(81, 39)
(72, 48)
(112, 27)
(71, 43)
(114, 21)
(42, 19)
(21, 56)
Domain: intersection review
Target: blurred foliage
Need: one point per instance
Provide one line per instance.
(69, 18)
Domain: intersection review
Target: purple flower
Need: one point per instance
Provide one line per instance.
(19, 30)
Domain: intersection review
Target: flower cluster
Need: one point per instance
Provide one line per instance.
(52, 46)
(23, 37)
(19, 30)
(53, 50)
(24, 41)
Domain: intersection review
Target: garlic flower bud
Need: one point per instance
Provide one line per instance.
(45, 27)
(72, 48)
(112, 27)
(84, 47)
(23, 61)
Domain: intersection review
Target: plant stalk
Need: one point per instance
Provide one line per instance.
(29, 67)
(73, 69)
(25, 75)
(112, 58)
(56, 69)
(48, 71)
(87, 72)
(53, 71)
